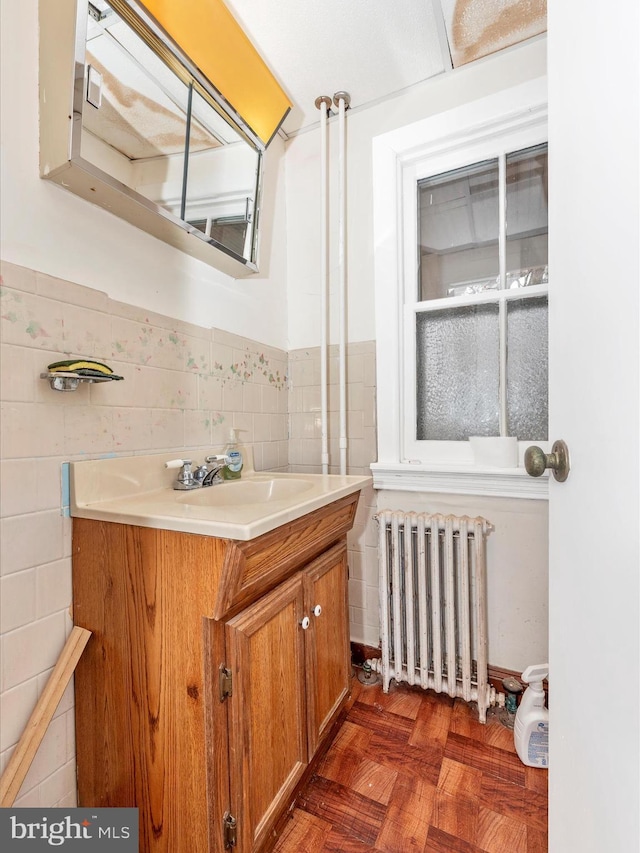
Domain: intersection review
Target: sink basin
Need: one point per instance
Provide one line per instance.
(139, 490)
(257, 490)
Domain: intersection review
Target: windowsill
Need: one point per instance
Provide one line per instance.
(459, 480)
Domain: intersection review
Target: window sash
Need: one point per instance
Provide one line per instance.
(485, 149)
(458, 452)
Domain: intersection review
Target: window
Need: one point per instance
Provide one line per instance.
(461, 293)
(481, 306)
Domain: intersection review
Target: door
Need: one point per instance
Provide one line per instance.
(328, 648)
(268, 730)
(594, 380)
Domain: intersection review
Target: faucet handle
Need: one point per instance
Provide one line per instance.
(186, 479)
(219, 458)
(177, 463)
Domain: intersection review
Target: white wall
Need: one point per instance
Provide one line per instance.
(303, 182)
(517, 577)
(50, 230)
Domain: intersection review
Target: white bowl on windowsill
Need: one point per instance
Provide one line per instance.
(494, 451)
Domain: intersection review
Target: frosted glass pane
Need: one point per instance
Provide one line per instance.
(527, 369)
(458, 356)
(458, 231)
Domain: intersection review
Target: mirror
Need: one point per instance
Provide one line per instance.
(149, 137)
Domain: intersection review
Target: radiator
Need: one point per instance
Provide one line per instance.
(433, 612)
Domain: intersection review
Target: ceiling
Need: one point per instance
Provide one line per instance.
(375, 48)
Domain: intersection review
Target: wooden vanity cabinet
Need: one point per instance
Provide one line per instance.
(290, 651)
(203, 695)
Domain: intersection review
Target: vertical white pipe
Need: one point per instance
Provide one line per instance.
(324, 285)
(342, 202)
(502, 305)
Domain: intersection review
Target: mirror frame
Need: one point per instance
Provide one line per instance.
(63, 27)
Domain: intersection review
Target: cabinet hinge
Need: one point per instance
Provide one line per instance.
(230, 829)
(225, 680)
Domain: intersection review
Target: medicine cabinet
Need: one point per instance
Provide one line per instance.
(130, 122)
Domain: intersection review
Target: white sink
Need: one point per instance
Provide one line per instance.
(139, 490)
(257, 490)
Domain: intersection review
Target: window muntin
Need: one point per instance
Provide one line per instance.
(479, 328)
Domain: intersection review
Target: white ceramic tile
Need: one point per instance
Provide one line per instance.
(32, 321)
(279, 427)
(167, 429)
(370, 371)
(161, 321)
(356, 570)
(355, 368)
(17, 600)
(163, 389)
(270, 456)
(270, 401)
(53, 587)
(60, 784)
(88, 430)
(262, 427)
(372, 607)
(371, 636)
(30, 650)
(67, 291)
(17, 373)
(209, 392)
(20, 278)
(29, 799)
(357, 593)
(70, 801)
(283, 454)
(30, 540)
(232, 396)
(220, 425)
(31, 432)
(71, 734)
(301, 373)
(52, 753)
(371, 568)
(251, 397)
(197, 428)
(130, 429)
(86, 333)
(221, 359)
(16, 706)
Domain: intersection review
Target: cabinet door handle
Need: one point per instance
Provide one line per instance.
(305, 622)
(317, 610)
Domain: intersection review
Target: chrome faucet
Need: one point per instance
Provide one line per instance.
(203, 476)
(213, 476)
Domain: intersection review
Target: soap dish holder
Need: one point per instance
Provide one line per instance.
(60, 381)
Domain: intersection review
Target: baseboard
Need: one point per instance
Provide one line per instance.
(360, 653)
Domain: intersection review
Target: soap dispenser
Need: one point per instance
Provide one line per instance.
(233, 469)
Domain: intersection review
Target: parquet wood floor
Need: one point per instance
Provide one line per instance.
(415, 771)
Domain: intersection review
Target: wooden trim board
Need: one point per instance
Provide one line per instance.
(35, 730)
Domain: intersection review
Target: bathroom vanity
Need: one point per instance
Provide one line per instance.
(217, 664)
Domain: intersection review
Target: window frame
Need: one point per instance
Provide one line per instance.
(503, 123)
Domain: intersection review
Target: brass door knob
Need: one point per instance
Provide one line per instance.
(536, 461)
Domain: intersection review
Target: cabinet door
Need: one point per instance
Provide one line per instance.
(328, 651)
(268, 731)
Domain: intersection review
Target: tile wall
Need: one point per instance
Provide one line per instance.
(305, 447)
(183, 387)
